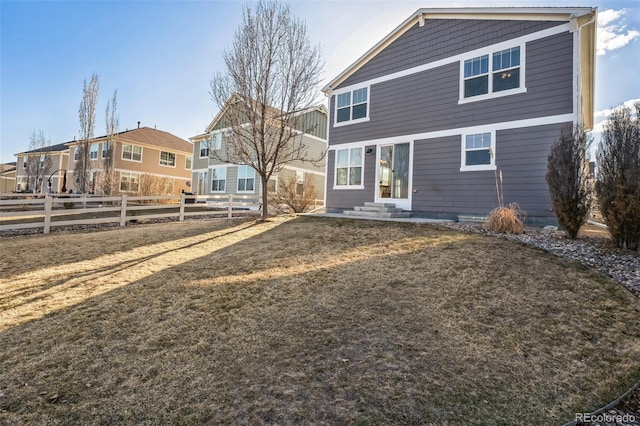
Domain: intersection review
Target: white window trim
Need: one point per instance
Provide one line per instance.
(351, 89)
(335, 168)
(91, 151)
(492, 152)
(190, 158)
(238, 180)
(76, 154)
(130, 174)
(131, 159)
(203, 141)
(175, 160)
(490, 50)
(213, 144)
(211, 191)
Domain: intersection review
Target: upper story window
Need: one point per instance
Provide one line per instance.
(352, 106)
(478, 152)
(216, 141)
(93, 153)
(167, 159)
(105, 150)
(24, 162)
(204, 148)
(187, 162)
(131, 152)
(493, 74)
(76, 153)
(349, 164)
(246, 179)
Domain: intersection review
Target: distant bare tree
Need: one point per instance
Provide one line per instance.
(108, 178)
(272, 72)
(87, 115)
(38, 162)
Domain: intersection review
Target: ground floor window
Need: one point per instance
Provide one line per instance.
(129, 182)
(218, 179)
(349, 167)
(478, 152)
(246, 179)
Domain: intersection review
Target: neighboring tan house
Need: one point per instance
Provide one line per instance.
(7, 177)
(57, 164)
(427, 117)
(212, 176)
(142, 153)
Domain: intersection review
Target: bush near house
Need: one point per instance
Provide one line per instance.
(618, 180)
(568, 178)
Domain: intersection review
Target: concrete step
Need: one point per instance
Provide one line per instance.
(359, 213)
(370, 204)
(378, 209)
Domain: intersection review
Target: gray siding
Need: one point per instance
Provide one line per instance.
(197, 162)
(428, 101)
(315, 150)
(521, 154)
(440, 38)
(314, 123)
(338, 200)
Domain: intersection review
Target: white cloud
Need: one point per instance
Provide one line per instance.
(612, 34)
(603, 115)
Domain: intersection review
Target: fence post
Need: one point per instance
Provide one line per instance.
(182, 202)
(48, 202)
(123, 210)
(230, 214)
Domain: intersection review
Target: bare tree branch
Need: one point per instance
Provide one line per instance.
(38, 162)
(107, 178)
(87, 115)
(272, 72)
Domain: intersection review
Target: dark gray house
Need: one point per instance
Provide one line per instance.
(428, 116)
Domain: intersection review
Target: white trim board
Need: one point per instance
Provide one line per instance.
(516, 124)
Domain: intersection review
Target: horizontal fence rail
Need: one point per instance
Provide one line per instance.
(19, 211)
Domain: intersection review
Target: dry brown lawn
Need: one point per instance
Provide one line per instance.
(305, 320)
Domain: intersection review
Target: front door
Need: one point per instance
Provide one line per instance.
(393, 175)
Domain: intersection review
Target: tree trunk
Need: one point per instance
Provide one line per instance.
(265, 204)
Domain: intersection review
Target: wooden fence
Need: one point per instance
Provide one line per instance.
(20, 211)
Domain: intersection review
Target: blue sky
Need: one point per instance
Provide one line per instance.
(160, 56)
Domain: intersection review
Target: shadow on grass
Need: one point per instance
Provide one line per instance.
(443, 328)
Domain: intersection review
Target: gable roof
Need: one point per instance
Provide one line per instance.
(51, 148)
(150, 137)
(276, 112)
(486, 13)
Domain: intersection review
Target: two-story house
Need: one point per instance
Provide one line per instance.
(35, 168)
(429, 116)
(139, 152)
(212, 175)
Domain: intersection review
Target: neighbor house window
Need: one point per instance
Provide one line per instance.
(216, 141)
(76, 153)
(352, 106)
(204, 148)
(246, 179)
(93, 153)
(167, 159)
(131, 152)
(492, 73)
(187, 162)
(478, 152)
(24, 162)
(129, 182)
(349, 167)
(105, 150)
(218, 179)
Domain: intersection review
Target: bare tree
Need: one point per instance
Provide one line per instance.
(107, 178)
(618, 177)
(272, 72)
(568, 178)
(87, 115)
(38, 161)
